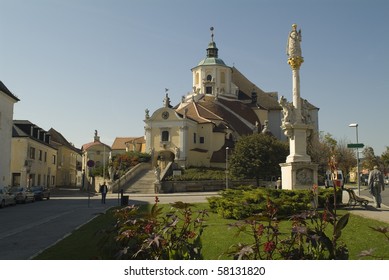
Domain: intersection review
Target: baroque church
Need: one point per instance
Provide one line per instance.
(222, 107)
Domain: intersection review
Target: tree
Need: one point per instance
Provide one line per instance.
(321, 148)
(345, 157)
(257, 156)
(369, 158)
(385, 158)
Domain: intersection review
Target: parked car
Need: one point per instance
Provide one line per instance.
(329, 180)
(6, 197)
(23, 194)
(41, 192)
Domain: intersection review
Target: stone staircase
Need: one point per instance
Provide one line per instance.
(142, 183)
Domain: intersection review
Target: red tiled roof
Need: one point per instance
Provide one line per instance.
(91, 144)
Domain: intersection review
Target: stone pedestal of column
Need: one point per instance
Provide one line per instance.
(298, 175)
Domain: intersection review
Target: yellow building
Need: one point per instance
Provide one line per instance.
(222, 106)
(34, 159)
(69, 161)
(96, 153)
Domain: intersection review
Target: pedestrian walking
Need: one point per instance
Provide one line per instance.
(103, 191)
(376, 184)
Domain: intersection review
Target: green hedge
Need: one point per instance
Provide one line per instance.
(246, 201)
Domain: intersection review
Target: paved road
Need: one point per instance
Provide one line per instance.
(27, 229)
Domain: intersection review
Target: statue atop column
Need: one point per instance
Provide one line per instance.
(293, 48)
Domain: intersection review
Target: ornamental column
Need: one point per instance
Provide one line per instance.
(297, 171)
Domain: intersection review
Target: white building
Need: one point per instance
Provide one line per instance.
(222, 107)
(7, 101)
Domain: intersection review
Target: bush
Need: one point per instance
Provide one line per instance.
(246, 201)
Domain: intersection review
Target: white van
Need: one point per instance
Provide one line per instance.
(329, 181)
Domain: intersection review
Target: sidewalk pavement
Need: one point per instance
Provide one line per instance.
(370, 212)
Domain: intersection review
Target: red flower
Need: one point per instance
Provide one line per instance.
(269, 246)
(149, 228)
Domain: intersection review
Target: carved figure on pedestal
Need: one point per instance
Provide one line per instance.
(305, 114)
(266, 129)
(177, 152)
(287, 110)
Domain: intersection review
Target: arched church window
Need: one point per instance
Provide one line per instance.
(209, 78)
(165, 136)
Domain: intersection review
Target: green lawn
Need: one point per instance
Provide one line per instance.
(85, 243)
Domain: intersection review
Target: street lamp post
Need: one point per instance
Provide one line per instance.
(227, 167)
(358, 177)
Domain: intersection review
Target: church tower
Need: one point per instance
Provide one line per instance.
(212, 76)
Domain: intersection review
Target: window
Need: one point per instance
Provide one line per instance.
(165, 136)
(194, 138)
(208, 90)
(45, 156)
(201, 140)
(52, 180)
(32, 152)
(209, 78)
(54, 159)
(40, 155)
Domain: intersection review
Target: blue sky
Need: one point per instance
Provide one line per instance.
(81, 65)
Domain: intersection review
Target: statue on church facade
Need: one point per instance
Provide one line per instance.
(166, 101)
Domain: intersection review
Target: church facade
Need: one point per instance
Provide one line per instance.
(222, 107)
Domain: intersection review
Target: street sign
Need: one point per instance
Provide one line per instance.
(355, 146)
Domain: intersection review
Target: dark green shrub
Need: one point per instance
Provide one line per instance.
(246, 201)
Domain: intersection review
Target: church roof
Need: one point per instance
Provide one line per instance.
(211, 61)
(234, 114)
(267, 100)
